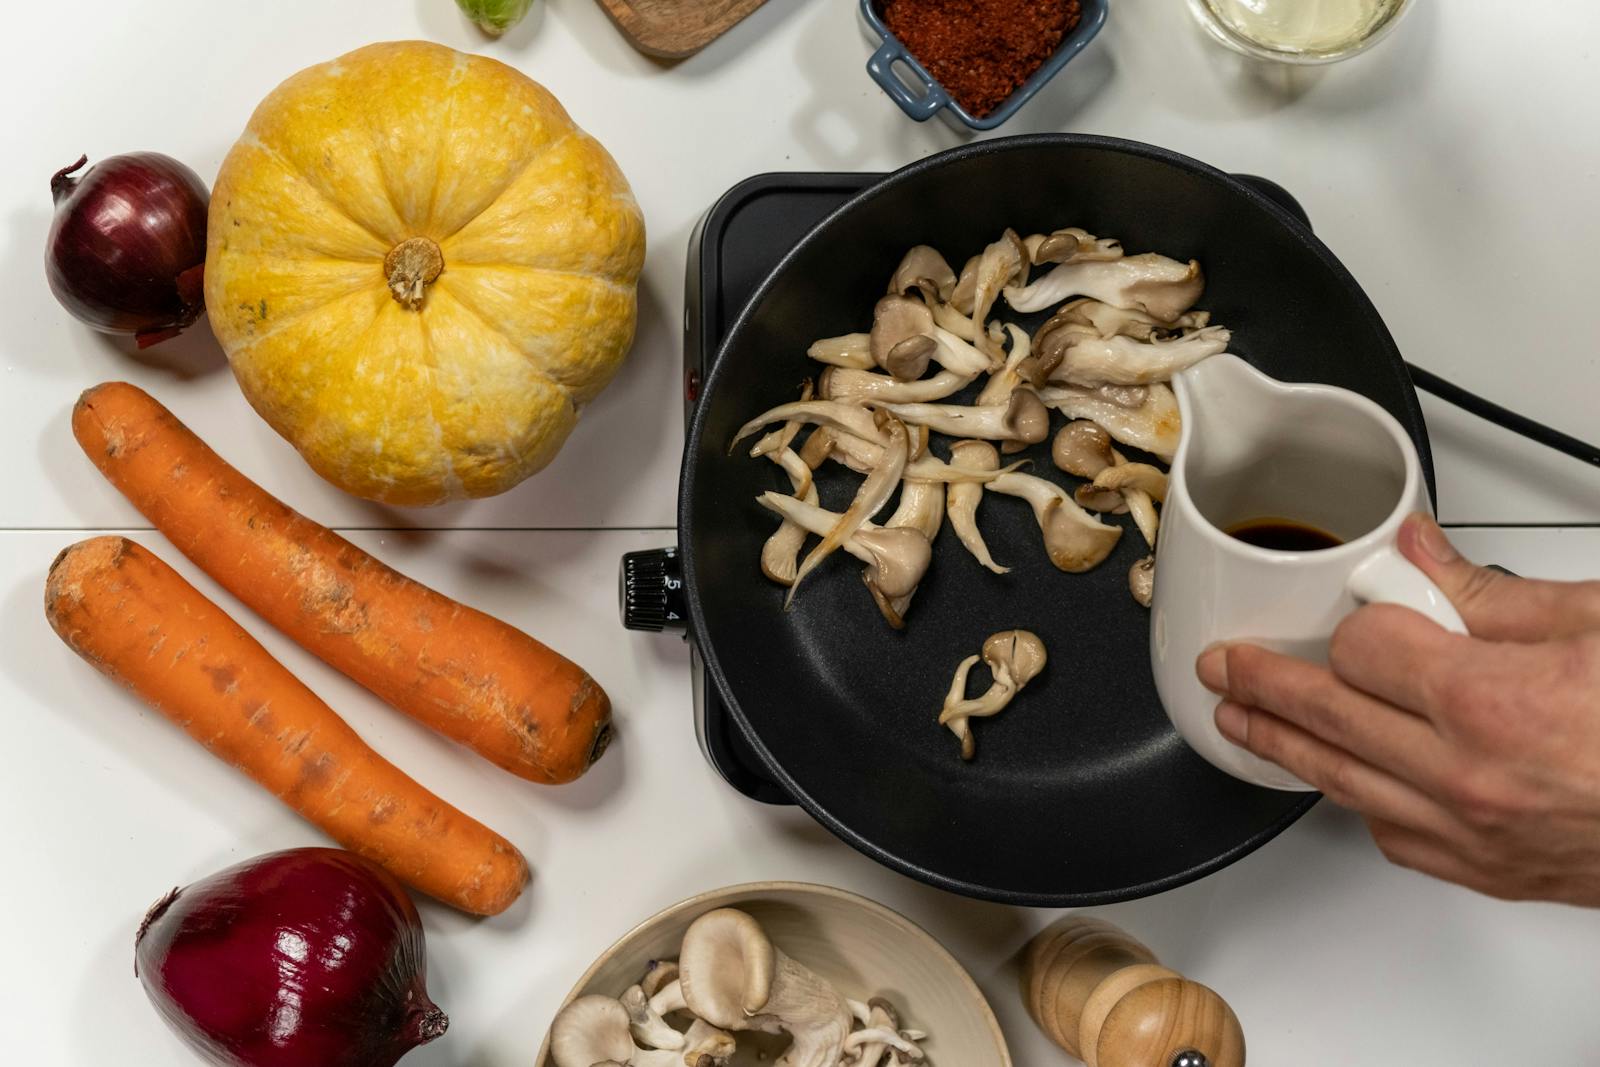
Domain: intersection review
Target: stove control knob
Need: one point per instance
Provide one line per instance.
(651, 591)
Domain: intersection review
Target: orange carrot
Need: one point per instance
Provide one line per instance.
(471, 677)
(137, 621)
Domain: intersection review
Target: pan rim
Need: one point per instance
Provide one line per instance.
(1294, 229)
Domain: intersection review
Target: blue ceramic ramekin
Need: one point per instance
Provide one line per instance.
(924, 102)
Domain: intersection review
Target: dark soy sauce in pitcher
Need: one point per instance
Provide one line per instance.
(1283, 535)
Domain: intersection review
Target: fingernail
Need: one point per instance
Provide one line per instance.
(1233, 722)
(1212, 667)
(1434, 542)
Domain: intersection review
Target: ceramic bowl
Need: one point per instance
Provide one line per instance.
(919, 94)
(863, 948)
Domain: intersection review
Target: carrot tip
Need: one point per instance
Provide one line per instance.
(57, 561)
(87, 396)
(602, 741)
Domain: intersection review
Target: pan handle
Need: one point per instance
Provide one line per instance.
(1277, 194)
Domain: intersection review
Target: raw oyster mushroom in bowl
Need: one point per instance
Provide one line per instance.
(787, 974)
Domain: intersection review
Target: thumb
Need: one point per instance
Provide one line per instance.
(1497, 606)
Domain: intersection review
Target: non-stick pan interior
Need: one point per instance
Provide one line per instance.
(1081, 791)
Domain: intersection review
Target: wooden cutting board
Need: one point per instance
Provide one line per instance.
(673, 29)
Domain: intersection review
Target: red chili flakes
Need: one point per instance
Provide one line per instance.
(981, 51)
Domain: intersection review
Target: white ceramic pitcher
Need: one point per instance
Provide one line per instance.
(1253, 447)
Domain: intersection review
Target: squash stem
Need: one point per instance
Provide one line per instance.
(410, 267)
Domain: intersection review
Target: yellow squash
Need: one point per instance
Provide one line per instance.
(421, 271)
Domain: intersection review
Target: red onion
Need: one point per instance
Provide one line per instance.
(127, 247)
(307, 958)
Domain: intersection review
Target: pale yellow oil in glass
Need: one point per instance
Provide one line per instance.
(1306, 27)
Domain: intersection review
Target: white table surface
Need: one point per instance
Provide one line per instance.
(1455, 170)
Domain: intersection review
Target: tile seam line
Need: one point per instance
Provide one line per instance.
(673, 529)
(371, 529)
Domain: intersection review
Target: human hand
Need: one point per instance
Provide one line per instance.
(1473, 759)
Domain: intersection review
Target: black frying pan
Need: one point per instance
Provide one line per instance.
(1081, 792)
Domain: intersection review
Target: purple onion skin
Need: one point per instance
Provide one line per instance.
(127, 247)
(311, 957)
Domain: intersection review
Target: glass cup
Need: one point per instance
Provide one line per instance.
(1299, 31)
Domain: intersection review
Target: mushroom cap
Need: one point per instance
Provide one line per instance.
(1027, 416)
(1054, 337)
(1131, 397)
(1075, 540)
(706, 1046)
(734, 978)
(1057, 247)
(1098, 498)
(966, 287)
(908, 360)
(1142, 580)
(902, 338)
(1154, 426)
(1093, 360)
(1018, 653)
(881, 1007)
(1081, 448)
(1110, 321)
(1075, 546)
(1141, 476)
(726, 966)
(1161, 287)
(901, 555)
(849, 350)
(658, 973)
(923, 269)
(975, 454)
(1071, 243)
(591, 1030)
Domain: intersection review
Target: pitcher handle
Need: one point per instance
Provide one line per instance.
(1387, 577)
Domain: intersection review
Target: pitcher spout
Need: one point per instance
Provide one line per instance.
(1223, 397)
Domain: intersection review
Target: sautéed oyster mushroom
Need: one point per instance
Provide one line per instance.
(941, 366)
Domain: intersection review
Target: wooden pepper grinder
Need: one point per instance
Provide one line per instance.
(1105, 998)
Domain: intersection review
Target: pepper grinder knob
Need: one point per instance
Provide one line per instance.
(650, 590)
(1107, 1000)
